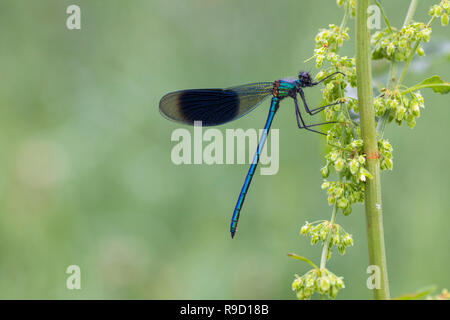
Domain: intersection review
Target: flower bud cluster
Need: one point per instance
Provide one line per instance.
(327, 42)
(441, 10)
(385, 150)
(344, 194)
(402, 108)
(397, 45)
(322, 281)
(347, 158)
(319, 231)
(352, 4)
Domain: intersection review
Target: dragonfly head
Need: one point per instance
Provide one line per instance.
(305, 79)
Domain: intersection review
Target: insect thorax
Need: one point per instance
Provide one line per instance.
(282, 88)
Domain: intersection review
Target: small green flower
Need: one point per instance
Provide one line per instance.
(361, 160)
(425, 34)
(445, 4)
(364, 174)
(342, 203)
(347, 210)
(386, 164)
(385, 145)
(323, 285)
(334, 155)
(319, 60)
(305, 228)
(400, 113)
(339, 164)
(339, 191)
(390, 49)
(444, 19)
(297, 284)
(354, 166)
(324, 172)
(438, 11)
(420, 52)
(325, 185)
(348, 240)
(331, 200)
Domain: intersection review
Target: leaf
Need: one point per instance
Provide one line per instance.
(435, 82)
(296, 256)
(417, 295)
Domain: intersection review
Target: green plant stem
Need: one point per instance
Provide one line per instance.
(384, 16)
(296, 256)
(326, 245)
(374, 217)
(408, 18)
(345, 17)
(411, 10)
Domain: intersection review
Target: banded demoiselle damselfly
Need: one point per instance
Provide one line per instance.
(217, 106)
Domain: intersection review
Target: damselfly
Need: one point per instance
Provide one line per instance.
(217, 106)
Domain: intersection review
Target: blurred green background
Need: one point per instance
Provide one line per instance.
(86, 176)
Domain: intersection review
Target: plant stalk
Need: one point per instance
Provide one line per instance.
(326, 245)
(411, 10)
(408, 18)
(374, 217)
